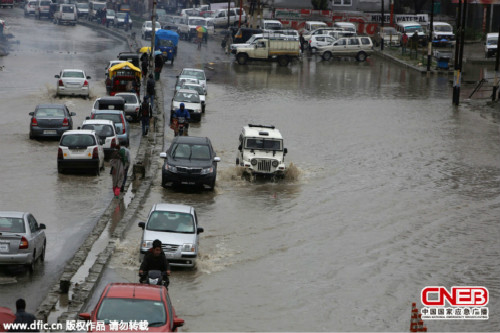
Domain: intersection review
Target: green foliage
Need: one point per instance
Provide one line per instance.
(320, 4)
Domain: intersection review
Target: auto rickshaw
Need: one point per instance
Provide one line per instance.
(166, 42)
(124, 77)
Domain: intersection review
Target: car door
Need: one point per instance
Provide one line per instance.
(353, 46)
(340, 47)
(36, 235)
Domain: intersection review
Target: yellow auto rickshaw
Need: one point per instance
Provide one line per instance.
(124, 77)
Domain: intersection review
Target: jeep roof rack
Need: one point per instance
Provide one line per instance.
(263, 126)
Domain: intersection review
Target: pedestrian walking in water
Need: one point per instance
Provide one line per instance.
(146, 114)
(23, 317)
(150, 89)
(125, 166)
(117, 163)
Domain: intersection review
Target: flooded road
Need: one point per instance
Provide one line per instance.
(69, 204)
(393, 190)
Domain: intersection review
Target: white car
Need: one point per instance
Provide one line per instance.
(357, 47)
(176, 226)
(192, 103)
(491, 44)
(120, 20)
(147, 29)
(80, 149)
(29, 8)
(201, 93)
(132, 104)
(106, 131)
(198, 73)
(319, 41)
(72, 82)
(111, 64)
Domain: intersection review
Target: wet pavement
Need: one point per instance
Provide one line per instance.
(392, 189)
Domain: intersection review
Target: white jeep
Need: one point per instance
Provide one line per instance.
(261, 151)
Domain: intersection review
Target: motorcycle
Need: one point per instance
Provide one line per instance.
(181, 125)
(154, 277)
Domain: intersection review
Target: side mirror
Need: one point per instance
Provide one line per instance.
(72, 114)
(141, 225)
(178, 322)
(84, 316)
(163, 155)
(57, 76)
(239, 147)
(199, 230)
(42, 226)
(31, 113)
(285, 151)
(87, 117)
(216, 159)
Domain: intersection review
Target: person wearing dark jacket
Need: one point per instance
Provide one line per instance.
(150, 89)
(155, 259)
(146, 114)
(23, 317)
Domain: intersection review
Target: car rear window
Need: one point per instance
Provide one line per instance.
(49, 113)
(77, 140)
(101, 129)
(127, 310)
(129, 98)
(12, 224)
(73, 74)
(115, 118)
(68, 9)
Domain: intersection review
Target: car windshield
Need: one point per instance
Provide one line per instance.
(121, 15)
(190, 152)
(132, 310)
(129, 98)
(110, 12)
(165, 43)
(73, 74)
(390, 31)
(492, 41)
(263, 144)
(77, 140)
(412, 29)
(115, 118)
(187, 97)
(198, 74)
(273, 26)
(50, 112)
(443, 28)
(171, 222)
(82, 5)
(12, 224)
(102, 130)
(196, 88)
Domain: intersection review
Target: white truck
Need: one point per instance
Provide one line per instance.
(261, 151)
(281, 50)
(187, 26)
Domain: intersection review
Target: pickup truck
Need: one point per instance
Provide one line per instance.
(269, 49)
(187, 26)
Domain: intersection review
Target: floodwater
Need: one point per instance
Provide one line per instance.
(393, 189)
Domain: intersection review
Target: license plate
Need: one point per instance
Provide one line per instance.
(169, 254)
(188, 183)
(49, 132)
(4, 248)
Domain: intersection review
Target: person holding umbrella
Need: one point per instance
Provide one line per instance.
(200, 31)
(158, 64)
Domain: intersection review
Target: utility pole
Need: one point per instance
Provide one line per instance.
(382, 28)
(497, 62)
(153, 33)
(228, 16)
(456, 76)
(429, 43)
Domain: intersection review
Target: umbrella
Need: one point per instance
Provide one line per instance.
(157, 52)
(6, 317)
(145, 49)
(201, 29)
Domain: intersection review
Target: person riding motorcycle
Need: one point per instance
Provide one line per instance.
(155, 259)
(181, 112)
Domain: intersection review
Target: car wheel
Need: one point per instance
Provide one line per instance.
(283, 60)
(314, 50)
(42, 256)
(242, 58)
(98, 170)
(203, 108)
(172, 62)
(31, 266)
(237, 161)
(327, 56)
(212, 184)
(361, 56)
(31, 136)
(60, 169)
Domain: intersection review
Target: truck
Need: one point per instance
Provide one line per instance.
(281, 50)
(187, 26)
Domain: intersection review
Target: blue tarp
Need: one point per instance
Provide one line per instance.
(162, 34)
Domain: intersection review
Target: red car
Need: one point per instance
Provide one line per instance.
(148, 307)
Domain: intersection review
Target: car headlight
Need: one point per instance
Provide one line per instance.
(188, 247)
(147, 244)
(170, 168)
(206, 171)
(275, 163)
(253, 161)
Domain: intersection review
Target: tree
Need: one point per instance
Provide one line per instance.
(319, 4)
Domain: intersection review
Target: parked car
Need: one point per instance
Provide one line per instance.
(320, 40)
(110, 17)
(346, 26)
(22, 239)
(261, 151)
(270, 25)
(176, 226)
(442, 34)
(82, 9)
(147, 29)
(134, 302)
(120, 20)
(310, 26)
(198, 73)
(192, 103)
(113, 108)
(42, 9)
(29, 7)
(94, 6)
(171, 22)
(357, 47)
(72, 82)
(410, 28)
(80, 149)
(199, 89)
(390, 35)
(190, 160)
(132, 105)
(106, 131)
(491, 44)
(289, 33)
(66, 14)
(50, 120)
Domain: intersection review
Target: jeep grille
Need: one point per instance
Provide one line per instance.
(170, 247)
(264, 165)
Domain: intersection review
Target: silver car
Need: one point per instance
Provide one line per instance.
(132, 104)
(72, 82)
(22, 239)
(176, 226)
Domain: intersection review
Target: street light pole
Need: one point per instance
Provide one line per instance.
(382, 28)
(429, 43)
(153, 33)
(497, 63)
(456, 74)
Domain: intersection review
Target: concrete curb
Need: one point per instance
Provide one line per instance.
(405, 64)
(80, 294)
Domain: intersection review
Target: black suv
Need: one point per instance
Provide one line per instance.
(190, 160)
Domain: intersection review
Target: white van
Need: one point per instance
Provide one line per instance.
(442, 33)
(310, 26)
(491, 44)
(66, 14)
(271, 25)
(347, 26)
(94, 6)
(410, 28)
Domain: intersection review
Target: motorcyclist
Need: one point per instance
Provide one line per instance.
(155, 259)
(181, 112)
